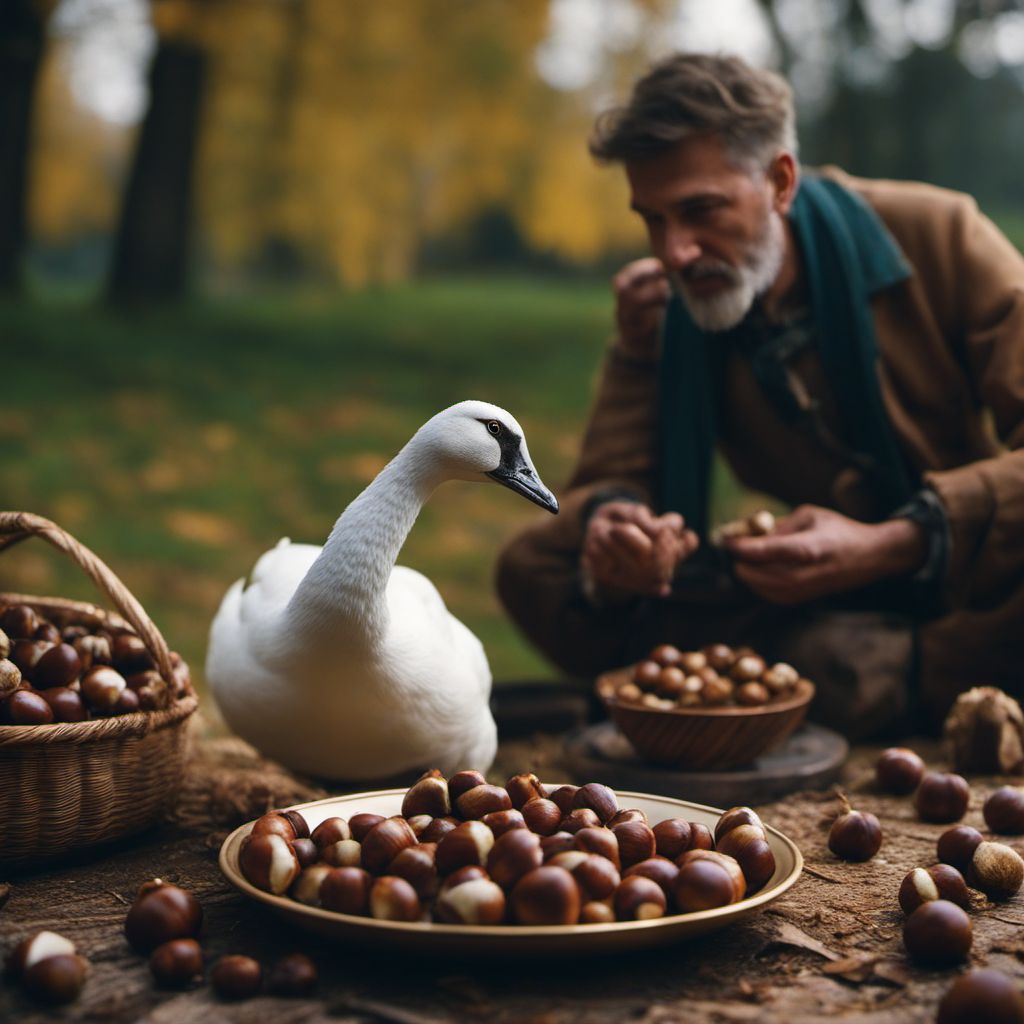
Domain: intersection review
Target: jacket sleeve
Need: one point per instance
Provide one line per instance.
(537, 575)
(984, 500)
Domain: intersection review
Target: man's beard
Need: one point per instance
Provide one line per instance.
(755, 275)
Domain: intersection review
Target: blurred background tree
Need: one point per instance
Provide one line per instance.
(315, 222)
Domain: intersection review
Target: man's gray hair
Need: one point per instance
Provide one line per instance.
(694, 94)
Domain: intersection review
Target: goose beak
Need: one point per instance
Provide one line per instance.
(518, 475)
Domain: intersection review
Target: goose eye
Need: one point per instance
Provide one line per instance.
(493, 427)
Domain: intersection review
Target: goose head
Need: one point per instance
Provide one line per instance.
(472, 440)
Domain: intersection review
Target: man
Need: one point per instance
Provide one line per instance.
(854, 348)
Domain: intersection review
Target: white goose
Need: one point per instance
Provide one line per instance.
(339, 663)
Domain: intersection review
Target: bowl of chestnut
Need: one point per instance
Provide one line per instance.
(719, 707)
(460, 865)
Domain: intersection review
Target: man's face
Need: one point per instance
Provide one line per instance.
(712, 225)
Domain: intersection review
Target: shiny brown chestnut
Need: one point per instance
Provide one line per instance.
(477, 901)
(546, 895)
(101, 687)
(600, 799)
(162, 912)
(306, 887)
(474, 803)
(524, 787)
(942, 797)
(956, 846)
(346, 853)
(174, 964)
(332, 830)
(659, 870)
(416, 864)
(268, 862)
(982, 995)
(236, 977)
(58, 666)
(19, 621)
(666, 654)
(1004, 811)
(938, 934)
(293, 976)
(996, 869)
(557, 843)
(736, 816)
(748, 846)
(899, 771)
(394, 899)
(579, 817)
(383, 843)
(464, 780)
(500, 822)
(703, 885)
(306, 852)
(939, 882)
(275, 823)
(129, 654)
(563, 796)
(542, 816)
(596, 876)
(638, 898)
(854, 835)
(646, 674)
(56, 979)
(438, 829)
(636, 842)
(470, 843)
(513, 855)
(360, 824)
(701, 837)
(672, 837)
(428, 796)
(38, 946)
(346, 891)
(24, 707)
(602, 841)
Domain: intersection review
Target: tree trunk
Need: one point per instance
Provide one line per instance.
(21, 52)
(151, 248)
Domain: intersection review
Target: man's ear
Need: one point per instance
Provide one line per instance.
(783, 176)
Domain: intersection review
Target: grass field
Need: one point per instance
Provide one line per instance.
(180, 445)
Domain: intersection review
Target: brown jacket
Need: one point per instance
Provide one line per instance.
(951, 348)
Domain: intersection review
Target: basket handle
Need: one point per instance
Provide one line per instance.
(18, 526)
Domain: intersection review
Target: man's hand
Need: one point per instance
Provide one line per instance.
(815, 552)
(628, 550)
(641, 292)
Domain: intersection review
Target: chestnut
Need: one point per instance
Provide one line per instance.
(480, 800)
(127, 703)
(524, 787)
(647, 674)
(467, 873)
(546, 895)
(463, 781)
(10, 677)
(360, 824)
(162, 912)
(298, 823)
(513, 855)
(579, 817)
(56, 979)
(542, 816)
(558, 843)
(938, 934)
(24, 707)
(292, 976)
(720, 656)
(636, 842)
(996, 870)
(748, 846)
(175, 963)
(268, 862)
(982, 995)
(563, 796)
(638, 898)
(416, 864)
(346, 853)
(854, 835)
(659, 870)
(1004, 811)
(330, 831)
(596, 876)
(666, 654)
(394, 899)
(672, 837)
(705, 884)
(939, 882)
(476, 901)
(274, 823)
(438, 829)
(748, 669)
(597, 912)
(956, 846)
(736, 816)
(19, 621)
(101, 687)
(47, 631)
(752, 694)
(346, 891)
(129, 654)
(500, 822)
(627, 814)
(383, 843)
(600, 799)
(58, 666)
(428, 796)
(701, 837)
(306, 852)
(470, 843)
(37, 947)
(306, 888)
(236, 977)
(942, 797)
(602, 841)
(899, 771)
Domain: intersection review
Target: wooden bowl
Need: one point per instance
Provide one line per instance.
(703, 737)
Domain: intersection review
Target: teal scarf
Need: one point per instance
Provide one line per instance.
(848, 255)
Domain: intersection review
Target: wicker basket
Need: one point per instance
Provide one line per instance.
(67, 787)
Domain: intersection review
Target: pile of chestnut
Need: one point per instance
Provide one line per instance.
(73, 673)
(937, 931)
(466, 852)
(716, 675)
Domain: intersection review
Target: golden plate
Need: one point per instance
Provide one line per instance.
(514, 940)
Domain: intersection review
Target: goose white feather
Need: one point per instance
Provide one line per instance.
(337, 662)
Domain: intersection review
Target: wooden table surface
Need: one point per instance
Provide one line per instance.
(831, 947)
